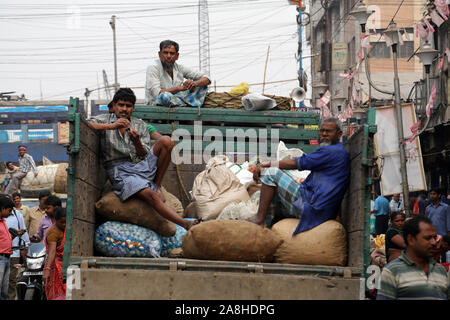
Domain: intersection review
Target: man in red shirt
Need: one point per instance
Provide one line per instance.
(6, 206)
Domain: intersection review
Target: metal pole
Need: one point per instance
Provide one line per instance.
(113, 26)
(427, 84)
(300, 51)
(398, 108)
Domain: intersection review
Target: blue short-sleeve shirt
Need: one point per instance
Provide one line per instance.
(324, 188)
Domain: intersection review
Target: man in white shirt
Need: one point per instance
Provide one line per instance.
(396, 204)
(169, 83)
(26, 164)
(16, 221)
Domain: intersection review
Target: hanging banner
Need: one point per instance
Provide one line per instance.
(339, 56)
(387, 147)
(63, 132)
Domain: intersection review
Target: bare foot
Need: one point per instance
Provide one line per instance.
(189, 224)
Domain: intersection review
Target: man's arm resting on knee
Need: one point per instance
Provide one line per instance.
(173, 90)
(202, 82)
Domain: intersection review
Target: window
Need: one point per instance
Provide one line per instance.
(406, 50)
(380, 50)
(351, 53)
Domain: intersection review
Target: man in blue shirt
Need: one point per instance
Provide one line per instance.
(381, 211)
(16, 221)
(438, 213)
(318, 198)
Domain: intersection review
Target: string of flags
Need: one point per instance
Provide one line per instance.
(438, 15)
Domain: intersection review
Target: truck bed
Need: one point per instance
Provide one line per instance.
(163, 278)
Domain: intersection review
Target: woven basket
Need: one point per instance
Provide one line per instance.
(233, 101)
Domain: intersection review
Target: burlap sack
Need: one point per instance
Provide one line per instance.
(242, 210)
(325, 244)
(173, 202)
(134, 211)
(216, 187)
(60, 185)
(190, 212)
(230, 240)
(45, 178)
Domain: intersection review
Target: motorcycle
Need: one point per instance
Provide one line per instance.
(30, 285)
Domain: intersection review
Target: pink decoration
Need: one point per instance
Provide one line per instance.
(441, 63)
(365, 42)
(436, 18)
(442, 7)
(400, 38)
(406, 35)
(430, 27)
(388, 40)
(423, 33)
(431, 99)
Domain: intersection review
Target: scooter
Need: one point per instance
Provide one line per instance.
(30, 285)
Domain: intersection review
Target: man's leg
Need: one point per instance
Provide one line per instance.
(14, 183)
(13, 273)
(276, 182)
(163, 150)
(153, 199)
(4, 277)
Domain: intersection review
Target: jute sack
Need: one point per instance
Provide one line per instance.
(173, 202)
(134, 211)
(216, 187)
(325, 244)
(230, 240)
(190, 212)
(242, 210)
(60, 185)
(45, 178)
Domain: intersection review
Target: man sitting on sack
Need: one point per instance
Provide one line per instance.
(134, 169)
(318, 198)
(165, 80)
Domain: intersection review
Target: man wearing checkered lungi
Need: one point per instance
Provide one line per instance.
(171, 84)
(318, 198)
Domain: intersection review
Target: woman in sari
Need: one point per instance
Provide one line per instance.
(394, 237)
(54, 241)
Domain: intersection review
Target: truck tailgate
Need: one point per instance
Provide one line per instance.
(181, 279)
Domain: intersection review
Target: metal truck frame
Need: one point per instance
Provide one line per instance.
(164, 278)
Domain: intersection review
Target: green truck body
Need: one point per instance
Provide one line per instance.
(165, 278)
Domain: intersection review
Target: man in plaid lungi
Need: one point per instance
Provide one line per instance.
(317, 199)
(171, 84)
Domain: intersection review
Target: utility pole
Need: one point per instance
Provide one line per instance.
(300, 50)
(392, 31)
(113, 26)
(327, 46)
(203, 37)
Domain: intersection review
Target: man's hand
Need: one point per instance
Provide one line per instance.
(189, 85)
(23, 254)
(34, 239)
(121, 123)
(134, 135)
(21, 231)
(257, 173)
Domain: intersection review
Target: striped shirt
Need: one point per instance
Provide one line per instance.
(402, 279)
(117, 149)
(26, 163)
